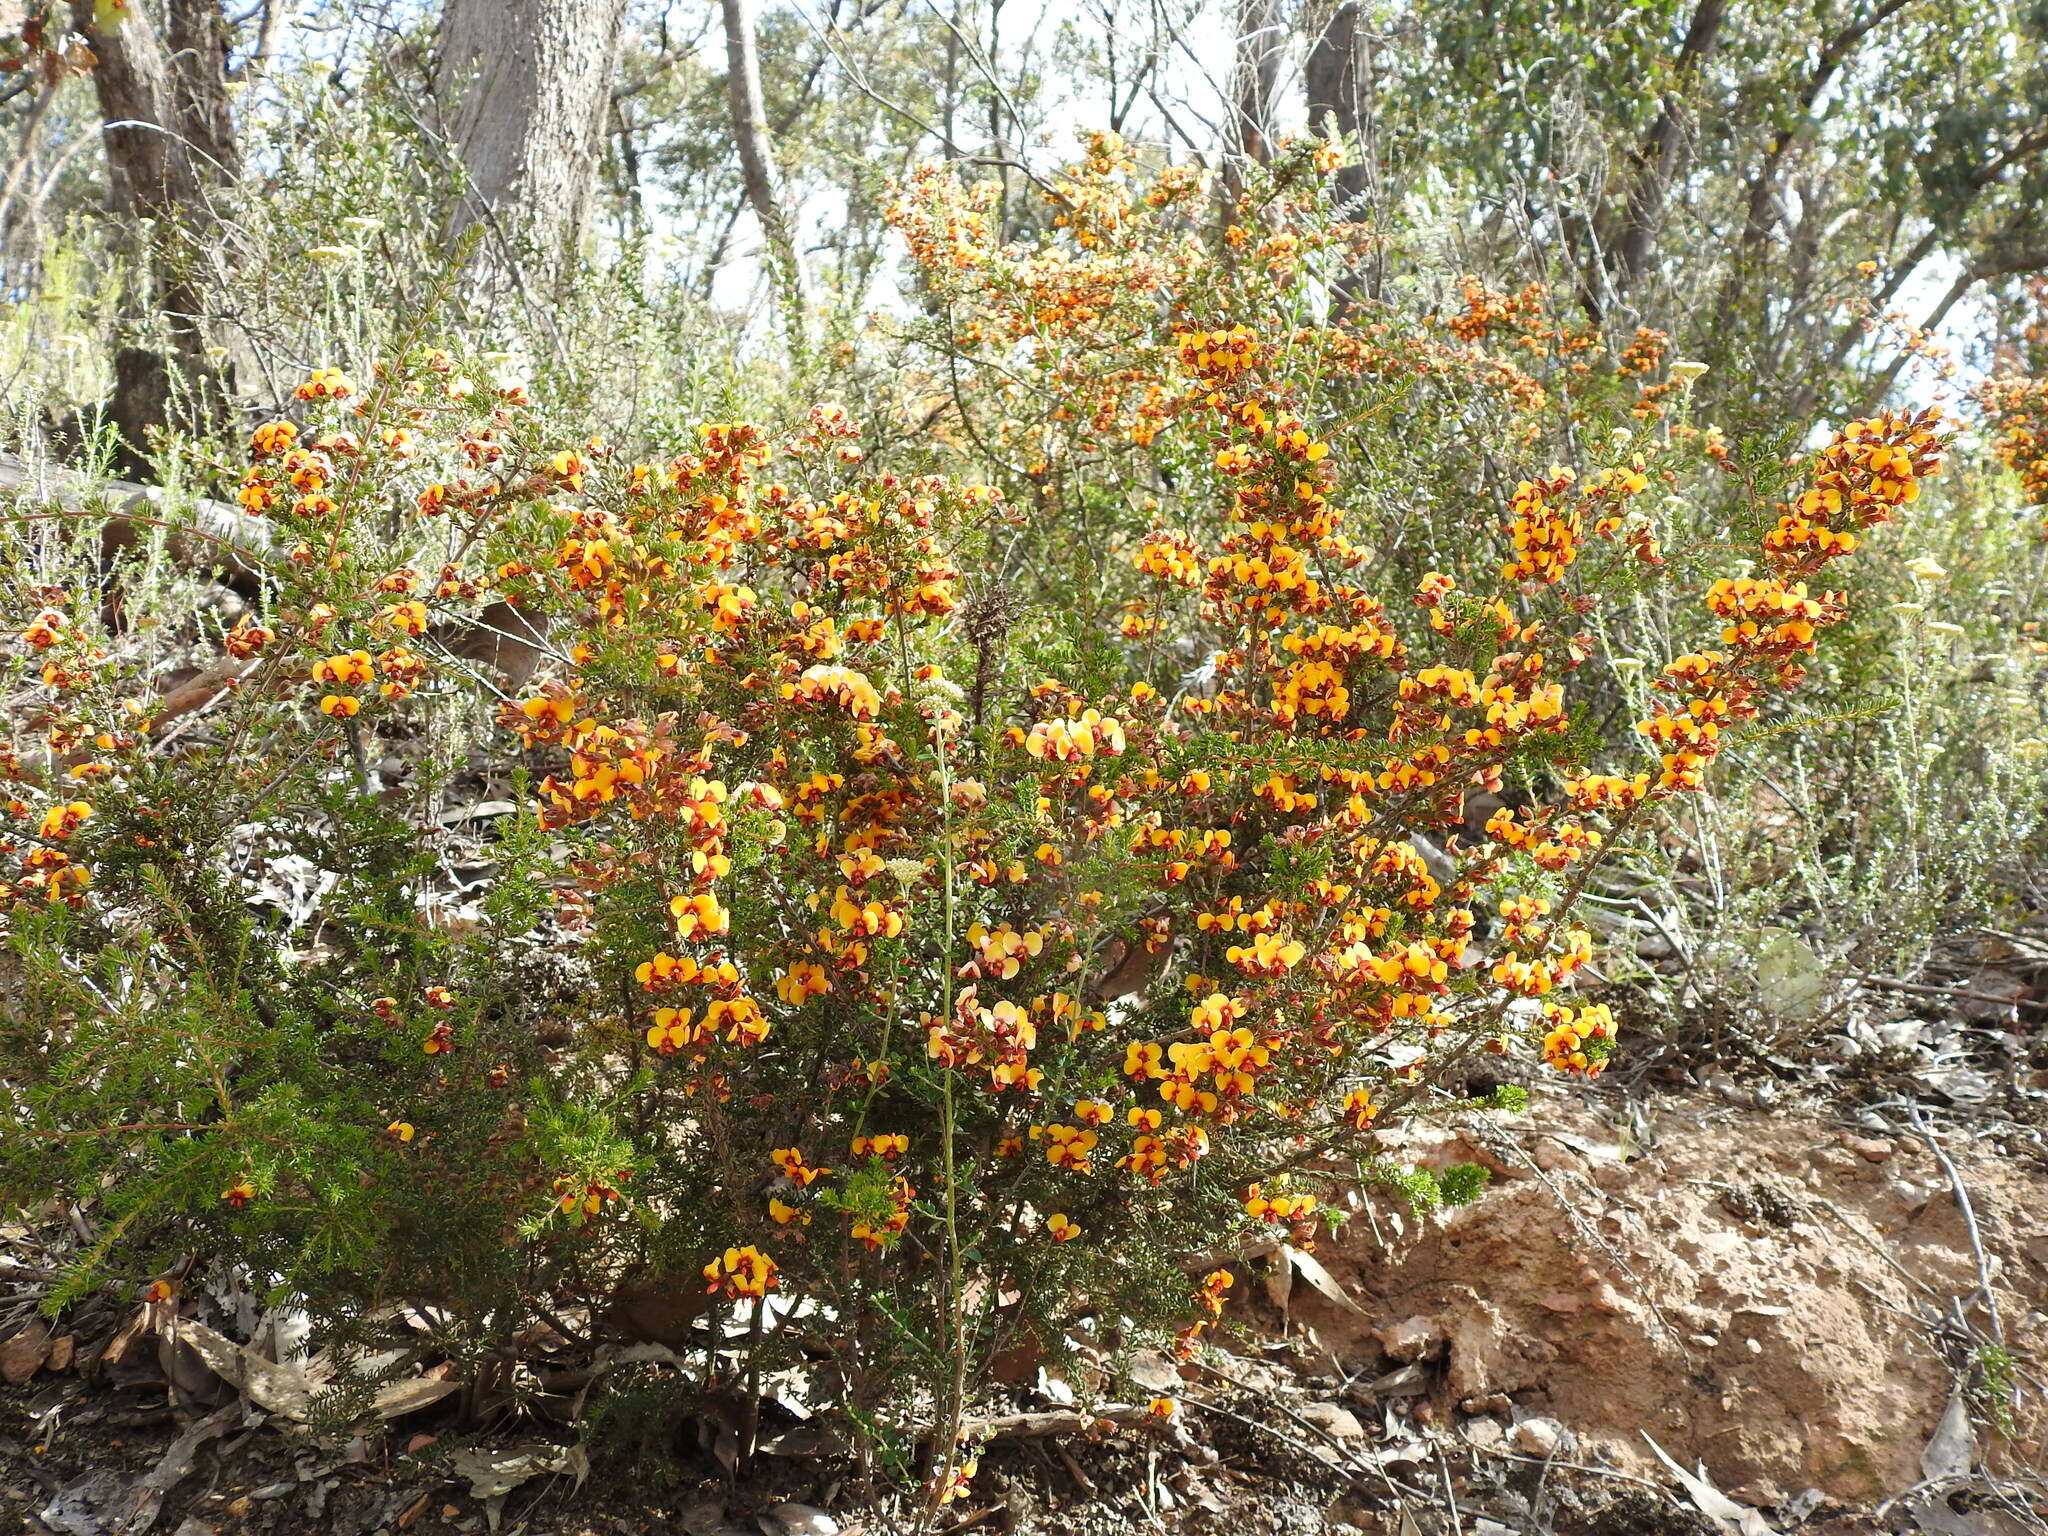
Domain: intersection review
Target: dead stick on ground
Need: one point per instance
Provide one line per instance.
(969, 1521)
(1287, 1413)
(208, 533)
(1443, 1466)
(1400, 1492)
(1081, 1479)
(1033, 1426)
(1575, 1466)
(1923, 989)
(1969, 1214)
(1872, 1244)
(1264, 1429)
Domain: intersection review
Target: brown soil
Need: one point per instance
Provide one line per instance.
(1772, 1294)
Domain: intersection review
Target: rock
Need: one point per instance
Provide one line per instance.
(1993, 996)
(803, 1520)
(1151, 1370)
(1408, 1381)
(62, 1350)
(1493, 1402)
(1902, 1034)
(704, 1517)
(1917, 1197)
(1870, 1148)
(1554, 1157)
(1537, 1437)
(1483, 1432)
(1611, 1177)
(1765, 1348)
(23, 1355)
(1419, 1338)
(1333, 1419)
(1606, 1299)
(1252, 1375)
(1833, 1160)
(1487, 1355)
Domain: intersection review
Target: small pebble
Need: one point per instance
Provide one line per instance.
(1537, 1437)
(1483, 1432)
(1334, 1420)
(1869, 1148)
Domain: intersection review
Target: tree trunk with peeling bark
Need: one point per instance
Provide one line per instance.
(171, 153)
(523, 88)
(1338, 79)
(1254, 87)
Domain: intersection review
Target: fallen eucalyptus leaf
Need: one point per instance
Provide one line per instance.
(270, 1386)
(493, 1474)
(1310, 1268)
(1952, 1448)
(1738, 1519)
(1792, 978)
(411, 1395)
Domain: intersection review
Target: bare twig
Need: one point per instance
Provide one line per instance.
(1923, 989)
(1969, 1215)
(1873, 1245)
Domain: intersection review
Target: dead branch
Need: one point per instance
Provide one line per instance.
(204, 535)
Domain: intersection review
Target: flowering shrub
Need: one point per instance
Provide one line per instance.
(818, 958)
(907, 948)
(2016, 406)
(1058, 363)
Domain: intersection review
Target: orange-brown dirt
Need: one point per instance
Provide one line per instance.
(1751, 1288)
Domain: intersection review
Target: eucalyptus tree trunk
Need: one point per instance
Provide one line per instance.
(524, 88)
(171, 155)
(1660, 160)
(1254, 87)
(757, 166)
(1339, 80)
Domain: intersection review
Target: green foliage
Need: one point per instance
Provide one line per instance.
(1996, 1385)
(1426, 1190)
(1461, 1183)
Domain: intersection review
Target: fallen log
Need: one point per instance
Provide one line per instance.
(208, 535)
(204, 534)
